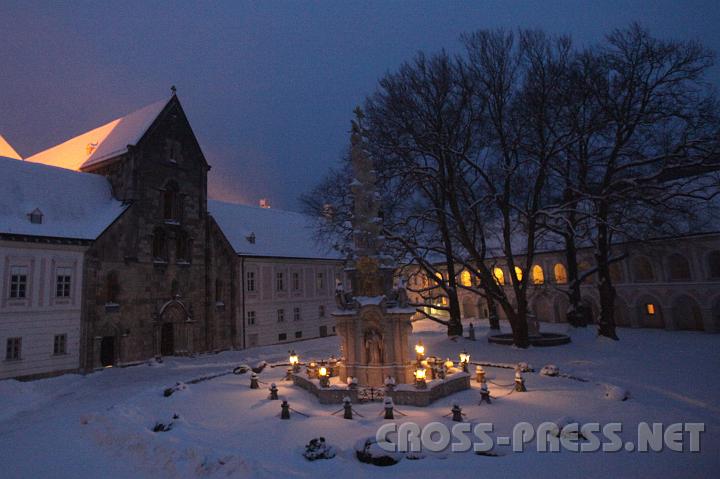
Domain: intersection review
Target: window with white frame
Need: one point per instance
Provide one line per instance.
(250, 281)
(280, 315)
(296, 314)
(18, 282)
(13, 349)
(296, 281)
(63, 282)
(320, 281)
(60, 344)
(279, 281)
(251, 318)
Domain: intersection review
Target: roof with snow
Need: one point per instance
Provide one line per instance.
(8, 151)
(276, 233)
(102, 143)
(72, 204)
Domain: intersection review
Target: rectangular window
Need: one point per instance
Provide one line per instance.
(60, 344)
(296, 281)
(298, 334)
(62, 282)
(321, 311)
(280, 315)
(13, 349)
(18, 282)
(279, 283)
(251, 281)
(296, 314)
(282, 337)
(320, 282)
(251, 318)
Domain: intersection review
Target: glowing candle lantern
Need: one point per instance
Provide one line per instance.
(323, 375)
(294, 361)
(420, 379)
(449, 364)
(420, 348)
(464, 360)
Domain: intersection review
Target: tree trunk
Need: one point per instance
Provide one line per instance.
(454, 327)
(605, 287)
(493, 317)
(519, 328)
(573, 315)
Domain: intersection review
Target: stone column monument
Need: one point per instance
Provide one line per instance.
(373, 320)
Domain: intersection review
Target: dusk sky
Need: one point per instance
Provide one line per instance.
(269, 87)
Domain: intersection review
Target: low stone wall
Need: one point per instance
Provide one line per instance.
(331, 395)
(404, 394)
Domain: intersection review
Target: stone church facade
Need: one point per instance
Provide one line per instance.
(145, 265)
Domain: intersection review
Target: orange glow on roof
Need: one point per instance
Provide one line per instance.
(102, 143)
(8, 151)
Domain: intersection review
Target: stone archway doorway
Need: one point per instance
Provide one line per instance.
(174, 329)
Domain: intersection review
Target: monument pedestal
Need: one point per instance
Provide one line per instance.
(375, 343)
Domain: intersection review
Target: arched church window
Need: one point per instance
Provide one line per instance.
(538, 276)
(714, 264)
(159, 249)
(183, 247)
(518, 273)
(499, 275)
(171, 202)
(642, 270)
(560, 273)
(678, 267)
(112, 288)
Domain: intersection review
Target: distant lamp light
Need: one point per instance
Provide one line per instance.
(420, 375)
(323, 375)
(420, 348)
(464, 360)
(449, 364)
(294, 361)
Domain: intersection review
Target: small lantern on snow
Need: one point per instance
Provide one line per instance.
(254, 381)
(457, 414)
(284, 410)
(347, 408)
(323, 376)
(420, 379)
(294, 361)
(449, 364)
(464, 360)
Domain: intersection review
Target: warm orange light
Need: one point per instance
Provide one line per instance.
(449, 364)
(560, 273)
(294, 359)
(465, 278)
(323, 371)
(464, 357)
(499, 276)
(518, 273)
(420, 348)
(538, 276)
(650, 308)
(420, 374)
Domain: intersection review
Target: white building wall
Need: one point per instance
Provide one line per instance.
(41, 315)
(308, 293)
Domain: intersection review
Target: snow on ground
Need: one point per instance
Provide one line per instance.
(100, 425)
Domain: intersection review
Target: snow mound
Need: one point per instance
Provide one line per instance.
(368, 451)
(615, 393)
(550, 370)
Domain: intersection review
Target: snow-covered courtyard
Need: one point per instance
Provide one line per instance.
(100, 425)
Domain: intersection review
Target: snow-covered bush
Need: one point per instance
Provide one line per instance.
(317, 448)
(524, 367)
(368, 451)
(178, 387)
(615, 393)
(550, 370)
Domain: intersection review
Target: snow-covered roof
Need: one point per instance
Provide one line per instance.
(102, 143)
(73, 204)
(277, 233)
(8, 151)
